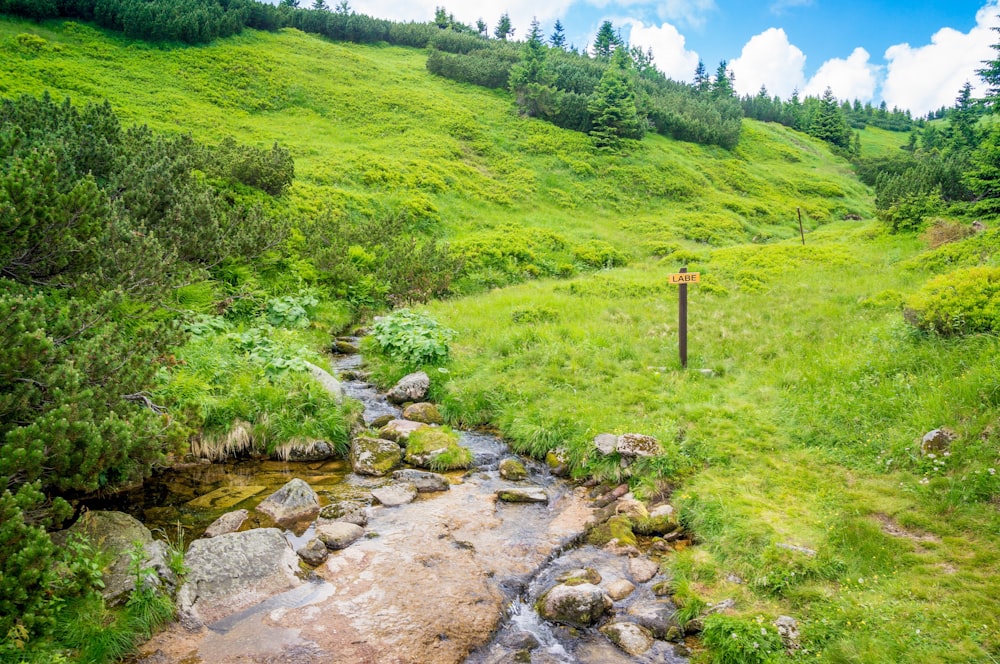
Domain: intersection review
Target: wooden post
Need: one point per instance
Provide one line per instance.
(801, 231)
(682, 311)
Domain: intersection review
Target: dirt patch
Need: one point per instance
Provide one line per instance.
(891, 527)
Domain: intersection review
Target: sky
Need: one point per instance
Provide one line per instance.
(913, 54)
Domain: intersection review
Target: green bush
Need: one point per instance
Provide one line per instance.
(965, 301)
(733, 640)
(412, 338)
(599, 254)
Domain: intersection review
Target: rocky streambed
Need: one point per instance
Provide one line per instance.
(353, 563)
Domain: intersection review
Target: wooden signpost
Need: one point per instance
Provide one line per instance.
(682, 279)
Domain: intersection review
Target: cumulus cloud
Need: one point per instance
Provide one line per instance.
(853, 78)
(669, 53)
(925, 78)
(769, 59)
(520, 11)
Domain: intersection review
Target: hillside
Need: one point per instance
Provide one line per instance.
(799, 421)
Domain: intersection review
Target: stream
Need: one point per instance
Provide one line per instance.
(451, 577)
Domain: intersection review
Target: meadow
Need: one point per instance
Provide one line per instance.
(799, 420)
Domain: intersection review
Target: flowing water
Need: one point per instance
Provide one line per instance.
(433, 580)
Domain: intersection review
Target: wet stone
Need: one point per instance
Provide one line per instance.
(225, 497)
(400, 430)
(347, 511)
(633, 639)
(227, 523)
(424, 412)
(642, 569)
(314, 552)
(395, 494)
(409, 388)
(292, 502)
(426, 482)
(513, 470)
(338, 534)
(518, 495)
(574, 605)
(620, 589)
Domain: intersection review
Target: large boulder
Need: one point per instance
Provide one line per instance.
(424, 412)
(234, 571)
(329, 383)
(339, 534)
(638, 445)
(424, 481)
(410, 388)
(114, 534)
(374, 456)
(633, 639)
(579, 605)
(229, 522)
(293, 502)
(399, 430)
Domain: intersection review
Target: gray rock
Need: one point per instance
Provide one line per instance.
(519, 495)
(314, 552)
(229, 522)
(293, 502)
(424, 412)
(231, 572)
(798, 549)
(157, 556)
(410, 388)
(580, 574)
(788, 629)
(642, 569)
(579, 605)
(661, 510)
(374, 456)
(305, 450)
(658, 617)
(113, 534)
(558, 461)
(392, 495)
(329, 383)
(348, 511)
(513, 470)
(605, 443)
(707, 373)
(637, 445)
(518, 640)
(338, 534)
(399, 430)
(381, 421)
(631, 508)
(633, 639)
(937, 441)
(345, 346)
(620, 589)
(723, 606)
(426, 482)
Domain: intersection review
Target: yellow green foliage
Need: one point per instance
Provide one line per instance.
(961, 302)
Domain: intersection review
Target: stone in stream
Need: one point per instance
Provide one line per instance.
(392, 495)
(425, 482)
(558, 461)
(519, 495)
(229, 522)
(619, 589)
(513, 470)
(231, 572)
(579, 605)
(400, 430)
(412, 387)
(580, 575)
(658, 617)
(638, 445)
(345, 346)
(348, 511)
(314, 552)
(292, 502)
(305, 450)
(338, 534)
(374, 456)
(424, 412)
(633, 639)
(381, 421)
(642, 569)
(329, 383)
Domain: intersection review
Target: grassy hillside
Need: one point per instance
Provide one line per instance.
(806, 430)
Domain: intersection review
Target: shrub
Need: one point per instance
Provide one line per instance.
(412, 338)
(597, 253)
(733, 640)
(965, 301)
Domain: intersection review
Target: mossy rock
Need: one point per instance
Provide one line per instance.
(513, 470)
(616, 528)
(656, 525)
(424, 412)
(374, 456)
(437, 448)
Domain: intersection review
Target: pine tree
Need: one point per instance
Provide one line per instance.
(481, 27)
(722, 86)
(963, 119)
(503, 29)
(606, 41)
(529, 79)
(612, 106)
(828, 123)
(990, 74)
(441, 19)
(702, 82)
(558, 38)
(320, 5)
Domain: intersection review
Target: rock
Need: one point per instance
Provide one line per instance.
(798, 549)
(722, 607)
(345, 346)
(437, 448)
(707, 373)
(348, 511)
(113, 534)
(229, 522)
(513, 470)
(409, 388)
(642, 569)
(579, 605)
(631, 508)
(157, 557)
(788, 629)
(338, 534)
(605, 443)
(518, 640)
(978, 226)
(424, 412)
(305, 450)
(620, 589)
(395, 494)
(580, 575)
(658, 617)
(374, 456)
(661, 511)
(637, 445)
(314, 552)
(558, 461)
(293, 502)
(231, 572)
(329, 383)
(519, 495)
(630, 637)
(380, 422)
(733, 578)
(400, 430)
(937, 441)
(424, 481)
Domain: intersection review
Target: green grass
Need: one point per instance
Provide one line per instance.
(877, 142)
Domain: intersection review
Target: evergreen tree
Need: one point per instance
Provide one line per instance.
(441, 18)
(558, 38)
(983, 178)
(828, 123)
(990, 73)
(963, 119)
(481, 27)
(503, 29)
(702, 82)
(320, 5)
(612, 106)
(344, 7)
(722, 86)
(606, 41)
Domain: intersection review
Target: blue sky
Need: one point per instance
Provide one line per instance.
(914, 55)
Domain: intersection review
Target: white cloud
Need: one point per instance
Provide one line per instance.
(687, 12)
(520, 11)
(853, 78)
(669, 53)
(769, 59)
(924, 78)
